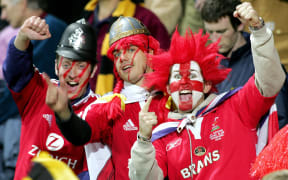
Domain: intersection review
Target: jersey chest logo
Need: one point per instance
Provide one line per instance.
(54, 142)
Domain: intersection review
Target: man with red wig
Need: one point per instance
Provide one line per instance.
(130, 46)
(215, 137)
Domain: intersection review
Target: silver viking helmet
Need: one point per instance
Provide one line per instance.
(124, 27)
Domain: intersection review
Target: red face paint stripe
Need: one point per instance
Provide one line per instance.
(84, 70)
(66, 73)
(132, 62)
(191, 85)
(60, 63)
(81, 87)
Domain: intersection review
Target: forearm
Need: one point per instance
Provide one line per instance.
(74, 129)
(18, 67)
(143, 164)
(269, 75)
(21, 42)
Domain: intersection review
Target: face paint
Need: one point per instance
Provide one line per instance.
(186, 85)
(83, 85)
(130, 64)
(75, 75)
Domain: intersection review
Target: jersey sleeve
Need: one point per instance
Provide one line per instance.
(143, 164)
(250, 104)
(18, 67)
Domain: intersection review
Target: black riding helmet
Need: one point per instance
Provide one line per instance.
(78, 42)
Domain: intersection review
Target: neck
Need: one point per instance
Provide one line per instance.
(239, 43)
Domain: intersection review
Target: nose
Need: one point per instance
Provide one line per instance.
(73, 72)
(124, 56)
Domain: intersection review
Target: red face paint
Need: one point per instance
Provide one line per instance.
(132, 62)
(191, 82)
(77, 78)
(185, 83)
(84, 83)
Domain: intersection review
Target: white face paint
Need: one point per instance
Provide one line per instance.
(186, 86)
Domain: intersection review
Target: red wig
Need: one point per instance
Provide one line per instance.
(183, 50)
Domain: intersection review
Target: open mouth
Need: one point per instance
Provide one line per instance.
(126, 68)
(185, 96)
(72, 86)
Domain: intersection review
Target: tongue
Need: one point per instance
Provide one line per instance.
(71, 89)
(186, 97)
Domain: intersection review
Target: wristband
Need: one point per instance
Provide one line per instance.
(255, 28)
(141, 138)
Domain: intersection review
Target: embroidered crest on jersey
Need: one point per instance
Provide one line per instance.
(216, 132)
(130, 126)
(173, 144)
(54, 142)
(199, 151)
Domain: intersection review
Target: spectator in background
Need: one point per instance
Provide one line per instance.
(168, 11)
(191, 16)
(10, 121)
(235, 45)
(101, 14)
(17, 11)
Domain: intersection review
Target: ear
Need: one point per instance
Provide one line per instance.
(241, 27)
(56, 67)
(207, 87)
(93, 71)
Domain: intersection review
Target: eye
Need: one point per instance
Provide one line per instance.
(131, 49)
(66, 66)
(116, 54)
(193, 75)
(221, 31)
(209, 31)
(82, 66)
(177, 76)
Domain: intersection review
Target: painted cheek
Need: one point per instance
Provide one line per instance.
(84, 83)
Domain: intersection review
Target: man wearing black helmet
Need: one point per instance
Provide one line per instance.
(75, 64)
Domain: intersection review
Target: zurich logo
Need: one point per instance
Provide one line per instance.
(54, 142)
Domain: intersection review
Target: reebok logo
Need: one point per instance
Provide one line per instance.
(129, 126)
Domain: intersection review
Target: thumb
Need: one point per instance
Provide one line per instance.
(147, 104)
